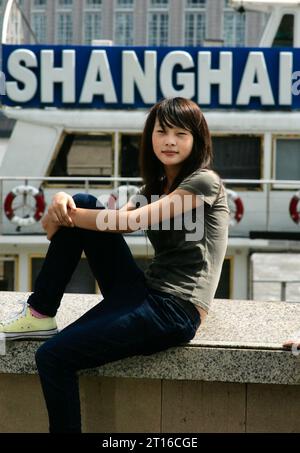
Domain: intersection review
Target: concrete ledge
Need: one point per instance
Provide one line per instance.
(232, 377)
(240, 341)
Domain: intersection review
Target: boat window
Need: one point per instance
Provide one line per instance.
(143, 262)
(238, 157)
(285, 33)
(82, 281)
(84, 155)
(6, 126)
(224, 290)
(7, 273)
(287, 162)
(129, 155)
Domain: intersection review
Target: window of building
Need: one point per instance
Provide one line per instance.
(41, 3)
(158, 23)
(39, 26)
(1, 15)
(287, 162)
(238, 157)
(93, 3)
(195, 3)
(2, 9)
(92, 22)
(285, 34)
(64, 22)
(85, 155)
(124, 23)
(125, 4)
(234, 25)
(82, 281)
(7, 273)
(194, 23)
(129, 155)
(64, 28)
(159, 3)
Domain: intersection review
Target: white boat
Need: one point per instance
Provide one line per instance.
(254, 118)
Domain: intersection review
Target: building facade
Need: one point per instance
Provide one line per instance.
(140, 22)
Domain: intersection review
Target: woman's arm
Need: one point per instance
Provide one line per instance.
(63, 212)
(119, 221)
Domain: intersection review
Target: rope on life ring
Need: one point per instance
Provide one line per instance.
(25, 191)
(237, 213)
(120, 196)
(294, 213)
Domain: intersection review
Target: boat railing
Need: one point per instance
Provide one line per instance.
(283, 286)
(262, 197)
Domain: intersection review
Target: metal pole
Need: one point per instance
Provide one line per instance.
(283, 291)
(267, 206)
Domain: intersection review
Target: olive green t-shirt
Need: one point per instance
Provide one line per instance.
(190, 269)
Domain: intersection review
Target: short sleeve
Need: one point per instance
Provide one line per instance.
(203, 182)
(138, 198)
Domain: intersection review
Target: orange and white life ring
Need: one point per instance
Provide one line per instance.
(120, 196)
(294, 212)
(236, 207)
(24, 191)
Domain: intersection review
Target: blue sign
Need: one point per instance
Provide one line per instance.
(137, 77)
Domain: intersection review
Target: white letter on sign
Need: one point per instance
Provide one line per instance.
(22, 74)
(285, 78)
(221, 77)
(186, 79)
(133, 74)
(255, 68)
(64, 75)
(98, 67)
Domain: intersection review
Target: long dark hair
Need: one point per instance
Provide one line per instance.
(174, 112)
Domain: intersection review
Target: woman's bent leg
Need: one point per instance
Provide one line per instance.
(108, 255)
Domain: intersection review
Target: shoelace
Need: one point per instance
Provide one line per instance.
(16, 315)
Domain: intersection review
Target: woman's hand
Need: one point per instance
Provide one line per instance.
(50, 227)
(62, 205)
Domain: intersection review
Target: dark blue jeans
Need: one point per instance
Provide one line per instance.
(131, 319)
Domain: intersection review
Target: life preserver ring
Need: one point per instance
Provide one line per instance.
(40, 205)
(237, 213)
(120, 196)
(294, 213)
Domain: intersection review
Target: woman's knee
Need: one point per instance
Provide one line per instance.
(44, 356)
(87, 201)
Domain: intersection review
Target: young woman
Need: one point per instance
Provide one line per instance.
(142, 312)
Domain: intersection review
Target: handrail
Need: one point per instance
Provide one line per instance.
(139, 179)
(283, 285)
(86, 184)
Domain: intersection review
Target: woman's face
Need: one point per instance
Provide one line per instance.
(171, 145)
